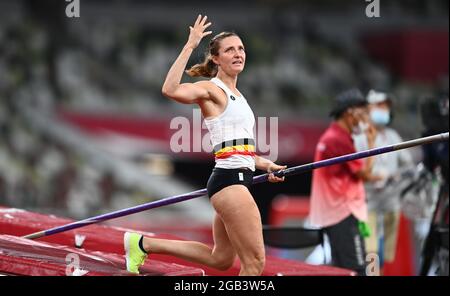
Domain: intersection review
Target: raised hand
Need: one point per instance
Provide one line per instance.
(371, 133)
(197, 31)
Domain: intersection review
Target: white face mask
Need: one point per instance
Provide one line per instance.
(380, 117)
(360, 128)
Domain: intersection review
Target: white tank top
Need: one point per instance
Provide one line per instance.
(236, 122)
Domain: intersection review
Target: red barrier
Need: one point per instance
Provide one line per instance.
(107, 242)
(21, 256)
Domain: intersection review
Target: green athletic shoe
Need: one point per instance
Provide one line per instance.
(135, 257)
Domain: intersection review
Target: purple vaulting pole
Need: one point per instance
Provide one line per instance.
(256, 180)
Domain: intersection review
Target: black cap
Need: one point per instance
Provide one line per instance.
(347, 99)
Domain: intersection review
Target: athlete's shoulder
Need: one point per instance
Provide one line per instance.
(211, 88)
(204, 83)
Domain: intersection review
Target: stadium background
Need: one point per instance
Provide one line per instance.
(85, 130)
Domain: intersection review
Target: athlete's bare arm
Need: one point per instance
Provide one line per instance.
(187, 93)
(267, 165)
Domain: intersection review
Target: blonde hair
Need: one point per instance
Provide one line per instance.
(208, 68)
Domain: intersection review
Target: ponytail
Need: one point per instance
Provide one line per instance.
(205, 69)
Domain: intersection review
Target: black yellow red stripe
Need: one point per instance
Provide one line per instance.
(235, 150)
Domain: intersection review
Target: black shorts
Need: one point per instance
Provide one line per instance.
(221, 178)
(347, 245)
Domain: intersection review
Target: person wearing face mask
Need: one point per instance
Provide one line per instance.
(383, 196)
(338, 200)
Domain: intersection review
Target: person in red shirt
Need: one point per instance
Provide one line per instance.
(338, 201)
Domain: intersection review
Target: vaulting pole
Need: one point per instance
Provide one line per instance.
(258, 179)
